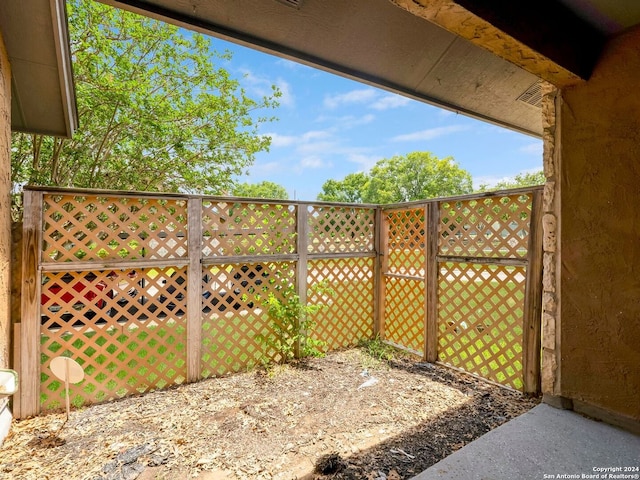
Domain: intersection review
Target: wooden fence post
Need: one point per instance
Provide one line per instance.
(377, 271)
(17, 366)
(30, 305)
(302, 268)
(432, 218)
(533, 300)
(383, 266)
(194, 289)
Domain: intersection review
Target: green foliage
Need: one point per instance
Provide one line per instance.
(348, 190)
(415, 176)
(263, 189)
(292, 323)
(524, 179)
(157, 111)
(377, 349)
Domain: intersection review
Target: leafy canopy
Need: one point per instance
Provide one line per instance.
(525, 179)
(348, 190)
(402, 178)
(264, 189)
(156, 111)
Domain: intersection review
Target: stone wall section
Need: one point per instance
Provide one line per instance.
(550, 244)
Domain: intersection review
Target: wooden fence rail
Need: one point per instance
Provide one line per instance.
(148, 290)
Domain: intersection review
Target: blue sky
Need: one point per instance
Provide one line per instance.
(330, 126)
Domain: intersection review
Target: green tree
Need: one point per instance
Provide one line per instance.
(348, 190)
(156, 111)
(402, 178)
(524, 179)
(264, 189)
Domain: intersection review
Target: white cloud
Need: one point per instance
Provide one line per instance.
(489, 180)
(315, 135)
(390, 101)
(316, 148)
(429, 134)
(349, 98)
(493, 180)
(530, 170)
(265, 168)
(313, 162)
(345, 122)
(446, 113)
(278, 140)
(532, 148)
(365, 161)
(261, 86)
(372, 98)
(351, 121)
(287, 99)
(289, 64)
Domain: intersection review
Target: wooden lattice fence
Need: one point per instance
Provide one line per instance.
(147, 291)
(462, 281)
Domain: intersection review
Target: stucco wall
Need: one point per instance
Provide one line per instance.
(5, 205)
(599, 123)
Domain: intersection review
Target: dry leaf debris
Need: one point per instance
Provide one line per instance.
(275, 425)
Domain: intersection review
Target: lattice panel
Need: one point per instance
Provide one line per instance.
(348, 316)
(340, 229)
(235, 228)
(98, 228)
(126, 328)
(233, 313)
(486, 227)
(404, 313)
(406, 238)
(480, 320)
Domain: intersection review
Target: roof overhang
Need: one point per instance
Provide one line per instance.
(36, 37)
(373, 41)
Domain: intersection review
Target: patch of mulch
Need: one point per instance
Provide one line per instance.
(345, 416)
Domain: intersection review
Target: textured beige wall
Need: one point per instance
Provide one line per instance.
(599, 122)
(5, 205)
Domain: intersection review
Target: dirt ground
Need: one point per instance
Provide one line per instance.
(346, 416)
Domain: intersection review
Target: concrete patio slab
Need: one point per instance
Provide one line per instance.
(544, 443)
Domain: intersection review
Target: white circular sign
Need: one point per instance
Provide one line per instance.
(66, 368)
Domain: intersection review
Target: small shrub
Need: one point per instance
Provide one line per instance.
(291, 323)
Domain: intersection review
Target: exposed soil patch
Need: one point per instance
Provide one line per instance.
(346, 416)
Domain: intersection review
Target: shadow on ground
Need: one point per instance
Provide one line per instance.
(417, 448)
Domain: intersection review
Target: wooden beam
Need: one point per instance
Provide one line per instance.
(332, 255)
(302, 268)
(93, 265)
(510, 262)
(30, 305)
(194, 289)
(242, 259)
(432, 217)
(541, 36)
(533, 301)
(377, 272)
(383, 262)
(17, 366)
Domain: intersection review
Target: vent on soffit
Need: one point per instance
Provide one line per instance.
(532, 95)
(292, 3)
